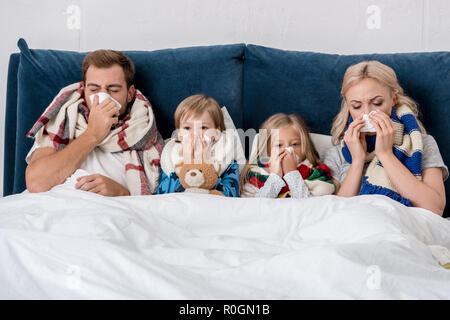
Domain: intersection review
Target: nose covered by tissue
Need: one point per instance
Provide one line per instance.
(102, 96)
(207, 138)
(291, 150)
(368, 127)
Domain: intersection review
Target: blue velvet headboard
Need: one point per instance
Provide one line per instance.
(252, 81)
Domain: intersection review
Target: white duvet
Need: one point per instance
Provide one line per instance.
(69, 244)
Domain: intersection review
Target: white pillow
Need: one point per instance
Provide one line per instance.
(322, 142)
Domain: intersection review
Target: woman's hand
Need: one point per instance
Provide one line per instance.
(385, 134)
(275, 162)
(356, 141)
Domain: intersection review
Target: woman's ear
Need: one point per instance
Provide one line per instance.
(131, 93)
(395, 97)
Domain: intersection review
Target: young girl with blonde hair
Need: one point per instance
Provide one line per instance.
(284, 162)
(381, 147)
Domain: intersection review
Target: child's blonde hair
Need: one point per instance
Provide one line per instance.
(197, 105)
(280, 121)
(377, 71)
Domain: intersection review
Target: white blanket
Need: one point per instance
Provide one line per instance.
(70, 244)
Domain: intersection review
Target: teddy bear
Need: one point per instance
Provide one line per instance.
(198, 177)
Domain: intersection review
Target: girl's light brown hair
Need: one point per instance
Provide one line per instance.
(196, 105)
(280, 121)
(107, 58)
(377, 71)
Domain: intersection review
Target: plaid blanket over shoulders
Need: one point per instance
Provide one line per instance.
(136, 135)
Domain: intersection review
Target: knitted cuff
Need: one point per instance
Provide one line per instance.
(297, 185)
(272, 187)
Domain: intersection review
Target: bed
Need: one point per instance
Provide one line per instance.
(70, 244)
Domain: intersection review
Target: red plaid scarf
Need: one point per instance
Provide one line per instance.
(135, 135)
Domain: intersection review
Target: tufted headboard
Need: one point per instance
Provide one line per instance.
(252, 81)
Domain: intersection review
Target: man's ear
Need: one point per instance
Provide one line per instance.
(131, 93)
(85, 96)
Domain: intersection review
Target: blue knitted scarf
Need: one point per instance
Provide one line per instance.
(407, 148)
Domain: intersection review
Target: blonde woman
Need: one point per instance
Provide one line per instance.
(285, 162)
(380, 145)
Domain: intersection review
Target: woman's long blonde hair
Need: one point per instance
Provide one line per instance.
(280, 121)
(373, 70)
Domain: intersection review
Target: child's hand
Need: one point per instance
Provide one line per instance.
(207, 151)
(275, 162)
(187, 145)
(289, 162)
(200, 149)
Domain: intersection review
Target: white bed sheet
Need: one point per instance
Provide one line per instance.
(69, 244)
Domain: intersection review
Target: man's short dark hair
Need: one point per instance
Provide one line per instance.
(107, 58)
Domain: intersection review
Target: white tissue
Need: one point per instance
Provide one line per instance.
(206, 138)
(441, 254)
(102, 96)
(72, 180)
(368, 126)
(291, 150)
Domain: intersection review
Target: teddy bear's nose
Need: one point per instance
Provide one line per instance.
(193, 174)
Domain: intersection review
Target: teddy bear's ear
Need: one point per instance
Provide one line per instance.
(178, 167)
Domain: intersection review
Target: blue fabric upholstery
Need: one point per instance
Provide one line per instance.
(40, 76)
(10, 125)
(267, 81)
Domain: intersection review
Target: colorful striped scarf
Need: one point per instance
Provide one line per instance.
(314, 177)
(136, 135)
(407, 148)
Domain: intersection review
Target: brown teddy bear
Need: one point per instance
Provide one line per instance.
(198, 177)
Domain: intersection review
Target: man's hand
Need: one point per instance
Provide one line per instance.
(99, 184)
(101, 118)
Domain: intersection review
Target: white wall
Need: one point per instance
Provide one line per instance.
(345, 26)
